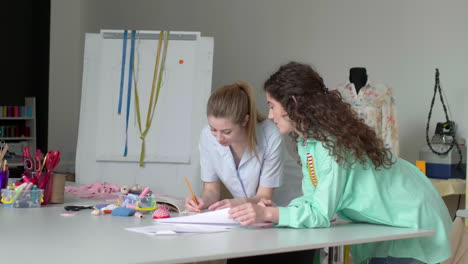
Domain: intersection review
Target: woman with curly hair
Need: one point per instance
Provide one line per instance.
(348, 172)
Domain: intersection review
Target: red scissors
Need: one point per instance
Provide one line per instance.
(32, 164)
(39, 154)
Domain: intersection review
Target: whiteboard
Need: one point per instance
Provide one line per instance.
(172, 143)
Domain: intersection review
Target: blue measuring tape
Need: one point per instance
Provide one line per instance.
(129, 93)
(122, 71)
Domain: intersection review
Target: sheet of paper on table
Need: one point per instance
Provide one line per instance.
(207, 222)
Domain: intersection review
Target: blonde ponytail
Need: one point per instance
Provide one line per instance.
(235, 102)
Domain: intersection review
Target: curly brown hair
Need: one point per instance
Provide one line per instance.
(323, 115)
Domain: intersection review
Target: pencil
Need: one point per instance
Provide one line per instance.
(194, 198)
(4, 151)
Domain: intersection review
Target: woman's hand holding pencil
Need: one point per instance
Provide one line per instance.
(192, 203)
(191, 206)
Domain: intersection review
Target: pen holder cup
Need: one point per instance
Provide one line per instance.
(45, 183)
(143, 205)
(22, 199)
(58, 188)
(4, 175)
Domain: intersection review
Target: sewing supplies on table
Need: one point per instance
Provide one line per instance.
(77, 207)
(131, 201)
(143, 203)
(138, 215)
(23, 196)
(38, 170)
(161, 212)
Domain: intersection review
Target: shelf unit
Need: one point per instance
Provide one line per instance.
(16, 144)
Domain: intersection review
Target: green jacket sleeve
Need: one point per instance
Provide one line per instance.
(318, 205)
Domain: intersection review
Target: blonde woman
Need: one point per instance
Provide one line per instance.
(239, 148)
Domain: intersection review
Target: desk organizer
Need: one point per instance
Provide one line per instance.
(143, 205)
(44, 182)
(22, 199)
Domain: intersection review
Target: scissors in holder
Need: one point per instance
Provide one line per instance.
(51, 159)
(39, 154)
(32, 166)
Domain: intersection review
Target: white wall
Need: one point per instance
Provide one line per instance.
(399, 42)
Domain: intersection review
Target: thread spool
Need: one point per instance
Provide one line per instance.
(138, 215)
(144, 192)
(135, 188)
(26, 179)
(124, 189)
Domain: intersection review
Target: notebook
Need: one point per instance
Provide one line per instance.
(173, 204)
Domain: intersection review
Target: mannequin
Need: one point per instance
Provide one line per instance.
(358, 77)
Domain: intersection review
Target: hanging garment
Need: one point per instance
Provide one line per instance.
(375, 105)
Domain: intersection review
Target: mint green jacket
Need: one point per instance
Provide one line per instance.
(400, 196)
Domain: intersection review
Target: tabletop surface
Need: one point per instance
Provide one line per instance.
(42, 235)
(449, 186)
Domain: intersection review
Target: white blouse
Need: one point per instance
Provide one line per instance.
(375, 105)
(217, 162)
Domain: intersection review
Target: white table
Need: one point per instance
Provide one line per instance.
(41, 235)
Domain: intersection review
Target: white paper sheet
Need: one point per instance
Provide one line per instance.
(218, 218)
(208, 222)
(177, 229)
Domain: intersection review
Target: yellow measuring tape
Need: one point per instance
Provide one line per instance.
(157, 77)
